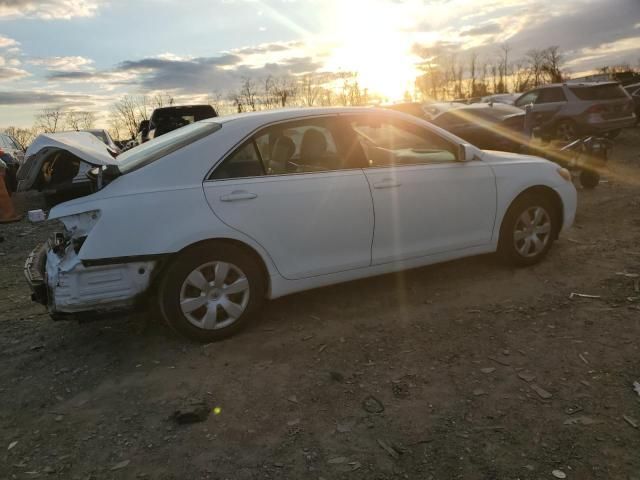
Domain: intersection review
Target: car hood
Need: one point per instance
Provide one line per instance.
(496, 157)
(83, 145)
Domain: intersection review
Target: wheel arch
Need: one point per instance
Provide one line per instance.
(546, 192)
(213, 242)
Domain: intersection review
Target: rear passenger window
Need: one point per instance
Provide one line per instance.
(608, 91)
(551, 95)
(301, 147)
(244, 162)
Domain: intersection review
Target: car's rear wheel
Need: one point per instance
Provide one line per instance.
(528, 230)
(211, 291)
(589, 179)
(566, 130)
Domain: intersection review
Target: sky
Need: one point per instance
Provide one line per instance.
(85, 54)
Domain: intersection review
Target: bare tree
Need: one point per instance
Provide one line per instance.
(50, 120)
(310, 89)
(24, 136)
(536, 61)
(127, 114)
(160, 100)
(249, 94)
(551, 63)
(473, 63)
(504, 66)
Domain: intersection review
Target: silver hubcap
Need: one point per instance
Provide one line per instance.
(214, 295)
(532, 231)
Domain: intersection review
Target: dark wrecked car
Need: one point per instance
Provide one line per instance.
(485, 125)
(58, 165)
(167, 119)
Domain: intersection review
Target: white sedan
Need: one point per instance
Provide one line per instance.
(212, 219)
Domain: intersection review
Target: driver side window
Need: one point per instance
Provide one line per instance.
(527, 98)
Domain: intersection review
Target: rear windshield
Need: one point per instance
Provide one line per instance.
(598, 92)
(159, 147)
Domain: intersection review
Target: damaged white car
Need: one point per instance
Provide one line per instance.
(57, 164)
(210, 220)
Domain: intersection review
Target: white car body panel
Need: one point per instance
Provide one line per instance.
(430, 209)
(311, 229)
(311, 224)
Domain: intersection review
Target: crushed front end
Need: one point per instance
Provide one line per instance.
(70, 287)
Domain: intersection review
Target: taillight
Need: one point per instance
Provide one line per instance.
(1, 152)
(596, 109)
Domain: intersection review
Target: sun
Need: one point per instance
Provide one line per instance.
(369, 41)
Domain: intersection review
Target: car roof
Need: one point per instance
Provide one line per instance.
(282, 114)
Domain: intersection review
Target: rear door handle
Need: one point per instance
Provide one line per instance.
(237, 196)
(387, 183)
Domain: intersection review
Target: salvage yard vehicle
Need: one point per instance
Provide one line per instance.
(53, 166)
(167, 119)
(570, 110)
(485, 125)
(210, 220)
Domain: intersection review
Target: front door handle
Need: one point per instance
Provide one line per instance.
(387, 183)
(238, 195)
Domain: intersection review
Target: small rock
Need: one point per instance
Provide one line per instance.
(336, 376)
(12, 444)
(345, 427)
(294, 422)
(372, 405)
(559, 474)
(120, 465)
(478, 392)
(630, 421)
(542, 393)
(293, 399)
(527, 376)
(488, 370)
(582, 420)
(572, 409)
(337, 460)
(388, 448)
(192, 413)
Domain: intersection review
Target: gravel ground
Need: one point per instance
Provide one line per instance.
(466, 370)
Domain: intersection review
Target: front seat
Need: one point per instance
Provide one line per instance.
(313, 149)
(283, 150)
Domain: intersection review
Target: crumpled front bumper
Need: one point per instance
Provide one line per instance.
(59, 280)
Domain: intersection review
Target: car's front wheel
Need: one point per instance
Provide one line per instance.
(210, 292)
(528, 229)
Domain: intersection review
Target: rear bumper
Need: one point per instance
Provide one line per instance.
(601, 125)
(66, 286)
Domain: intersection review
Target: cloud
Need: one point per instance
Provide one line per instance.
(6, 42)
(206, 74)
(267, 48)
(48, 9)
(63, 64)
(22, 97)
(485, 29)
(11, 73)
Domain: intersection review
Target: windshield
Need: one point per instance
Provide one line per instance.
(159, 147)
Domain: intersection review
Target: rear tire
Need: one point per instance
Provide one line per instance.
(211, 291)
(528, 229)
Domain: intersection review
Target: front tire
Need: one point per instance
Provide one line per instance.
(211, 291)
(528, 230)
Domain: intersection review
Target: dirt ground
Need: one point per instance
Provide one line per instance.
(483, 371)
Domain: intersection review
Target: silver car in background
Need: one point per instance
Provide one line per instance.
(569, 110)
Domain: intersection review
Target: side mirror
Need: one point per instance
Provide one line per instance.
(466, 152)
